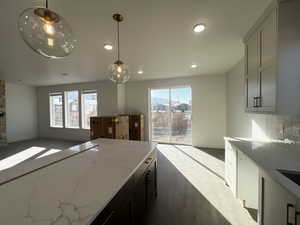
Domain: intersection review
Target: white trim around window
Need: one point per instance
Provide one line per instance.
(72, 109)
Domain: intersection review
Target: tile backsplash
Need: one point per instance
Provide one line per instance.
(282, 127)
(3, 139)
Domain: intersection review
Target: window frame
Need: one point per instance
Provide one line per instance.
(83, 92)
(63, 94)
(65, 110)
(50, 111)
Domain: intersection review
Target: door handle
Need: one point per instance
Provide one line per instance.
(288, 207)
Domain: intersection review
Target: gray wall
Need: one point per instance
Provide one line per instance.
(208, 102)
(21, 111)
(107, 105)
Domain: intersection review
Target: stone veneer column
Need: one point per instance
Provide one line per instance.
(3, 140)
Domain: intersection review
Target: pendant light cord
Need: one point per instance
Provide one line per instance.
(118, 40)
(47, 4)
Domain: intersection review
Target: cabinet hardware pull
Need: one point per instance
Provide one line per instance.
(259, 101)
(255, 102)
(288, 206)
(148, 178)
(296, 217)
(109, 217)
(148, 160)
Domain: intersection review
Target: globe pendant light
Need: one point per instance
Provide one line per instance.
(118, 72)
(46, 32)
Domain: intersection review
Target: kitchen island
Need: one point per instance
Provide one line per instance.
(96, 186)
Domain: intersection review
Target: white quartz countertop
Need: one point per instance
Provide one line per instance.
(74, 190)
(271, 156)
(24, 168)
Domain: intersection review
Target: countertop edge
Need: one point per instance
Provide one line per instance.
(154, 148)
(276, 175)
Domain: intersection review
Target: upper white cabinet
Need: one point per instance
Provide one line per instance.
(272, 60)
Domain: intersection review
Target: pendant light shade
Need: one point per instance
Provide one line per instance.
(46, 32)
(118, 71)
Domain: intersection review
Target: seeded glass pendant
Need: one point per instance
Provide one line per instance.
(46, 32)
(118, 72)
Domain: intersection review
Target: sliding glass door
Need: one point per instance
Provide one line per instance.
(171, 115)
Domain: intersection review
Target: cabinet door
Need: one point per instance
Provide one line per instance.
(268, 42)
(122, 127)
(231, 167)
(252, 66)
(151, 185)
(108, 127)
(277, 205)
(139, 201)
(247, 176)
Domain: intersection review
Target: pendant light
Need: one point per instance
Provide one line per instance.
(46, 32)
(118, 72)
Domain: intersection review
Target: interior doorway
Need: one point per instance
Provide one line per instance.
(171, 115)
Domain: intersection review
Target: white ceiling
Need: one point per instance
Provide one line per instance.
(156, 35)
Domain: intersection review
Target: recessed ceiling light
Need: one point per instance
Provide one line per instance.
(140, 72)
(193, 66)
(199, 28)
(108, 46)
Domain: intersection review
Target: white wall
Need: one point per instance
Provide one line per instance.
(107, 105)
(121, 98)
(21, 112)
(208, 102)
(238, 122)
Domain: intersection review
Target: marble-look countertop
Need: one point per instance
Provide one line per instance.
(24, 168)
(74, 190)
(271, 156)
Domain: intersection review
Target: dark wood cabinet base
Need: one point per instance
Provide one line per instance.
(130, 204)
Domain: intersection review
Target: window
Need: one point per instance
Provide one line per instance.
(56, 110)
(171, 115)
(88, 107)
(72, 109)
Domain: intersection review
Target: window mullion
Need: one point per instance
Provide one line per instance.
(64, 110)
(80, 109)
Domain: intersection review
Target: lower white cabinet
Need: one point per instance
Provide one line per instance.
(277, 206)
(257, 190)
(247, 181)
(231, 167)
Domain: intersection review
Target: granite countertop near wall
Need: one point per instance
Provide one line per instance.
(271, 156)
(75, 190)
